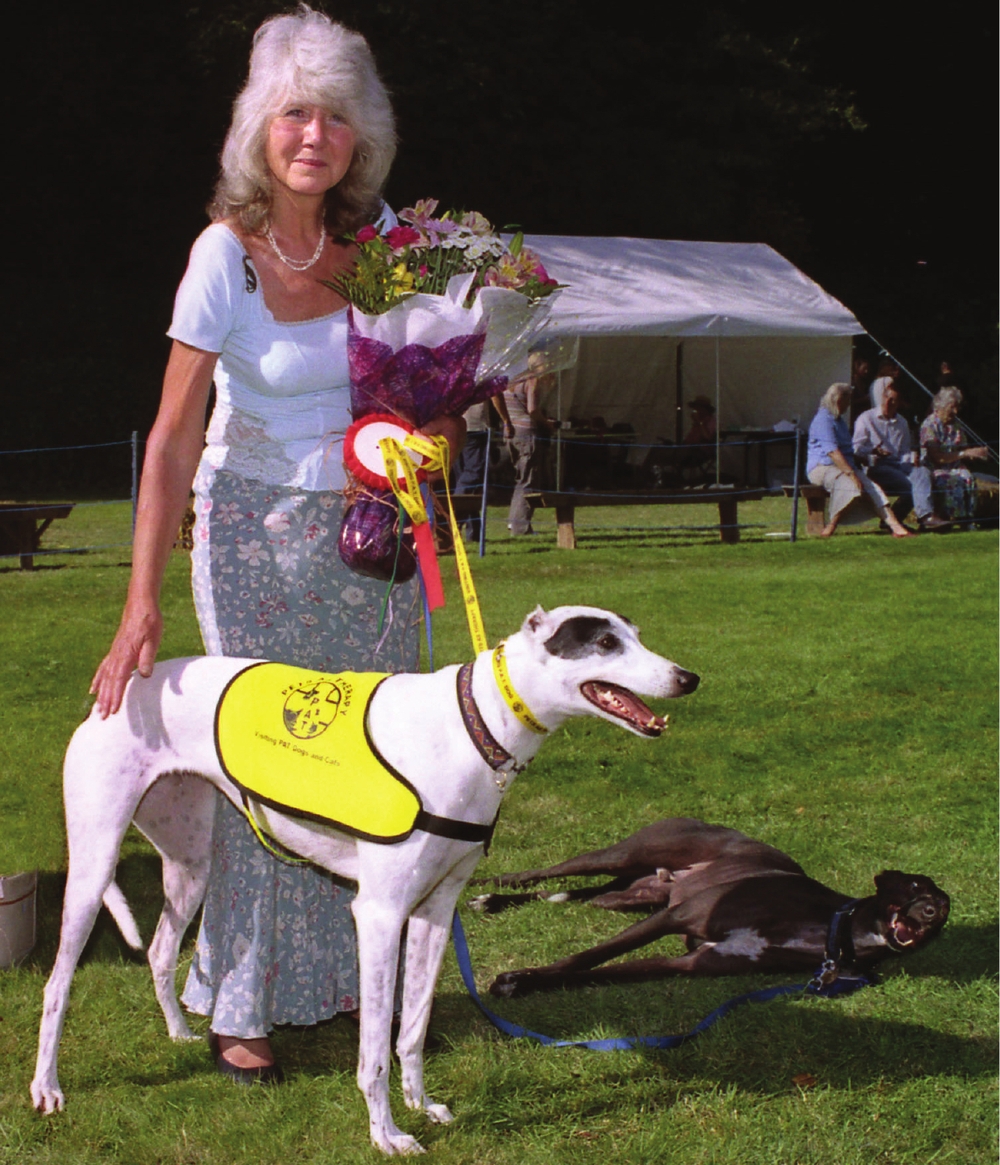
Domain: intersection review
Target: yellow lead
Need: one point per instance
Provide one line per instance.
(514, 702)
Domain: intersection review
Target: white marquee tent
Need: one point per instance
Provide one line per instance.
(661, 322)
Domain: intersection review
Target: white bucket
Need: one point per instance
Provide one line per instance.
(17, 917)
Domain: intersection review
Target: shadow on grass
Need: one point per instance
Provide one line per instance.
(759, 1048)
(49, 568)
(963, 953)
(139, 876)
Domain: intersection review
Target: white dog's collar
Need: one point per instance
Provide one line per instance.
(489, 748)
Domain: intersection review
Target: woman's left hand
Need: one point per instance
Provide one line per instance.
(451, 427)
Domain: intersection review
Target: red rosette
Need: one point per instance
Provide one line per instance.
(362, 454)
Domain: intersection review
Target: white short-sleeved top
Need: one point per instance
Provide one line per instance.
(282, 389)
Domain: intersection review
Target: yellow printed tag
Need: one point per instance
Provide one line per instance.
(296, 740)
(510, 693)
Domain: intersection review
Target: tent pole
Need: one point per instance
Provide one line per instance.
(679, 423)
(718, 475)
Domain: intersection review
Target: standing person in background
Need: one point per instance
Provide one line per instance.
(526, 422)
(470, 468)
(831, 464)
(946, 377)
(860, 377)
(882, 445)
(303, 164)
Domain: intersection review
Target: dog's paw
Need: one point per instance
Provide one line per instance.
(440, 1114)
(481, 902)
(397, 1144)
(507, 985)
(182, 1033)
(47, 1097)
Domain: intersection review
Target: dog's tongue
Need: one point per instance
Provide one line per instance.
(625, 705)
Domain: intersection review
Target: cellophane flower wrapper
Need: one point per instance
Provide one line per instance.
(426, 357)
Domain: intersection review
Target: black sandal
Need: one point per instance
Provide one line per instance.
(265, 1074)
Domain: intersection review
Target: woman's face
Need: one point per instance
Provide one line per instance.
(844, 402)
(308, 148)
(948, 411)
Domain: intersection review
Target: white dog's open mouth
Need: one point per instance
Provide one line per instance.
(623, 705)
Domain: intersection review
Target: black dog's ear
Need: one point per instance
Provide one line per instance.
(883, 880)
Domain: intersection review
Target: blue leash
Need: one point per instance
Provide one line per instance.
(841, 985)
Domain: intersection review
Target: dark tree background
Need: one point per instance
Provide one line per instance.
(852, 141)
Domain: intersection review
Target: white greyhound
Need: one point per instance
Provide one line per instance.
(157, 764)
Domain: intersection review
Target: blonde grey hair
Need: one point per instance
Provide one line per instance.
(949, 395)
(305, 56)
(831, 398)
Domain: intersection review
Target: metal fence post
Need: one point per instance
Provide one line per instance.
(486, 486)
(135, 477)
(795, 484)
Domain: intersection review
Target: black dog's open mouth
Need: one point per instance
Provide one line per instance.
(904, 931)
(623, 705)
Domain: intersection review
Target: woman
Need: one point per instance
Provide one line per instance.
(525, 424)
(831, 464)
(306, 155)
(944, 448)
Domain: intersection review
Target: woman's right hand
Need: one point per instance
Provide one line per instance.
(134, 647)
(172, 453)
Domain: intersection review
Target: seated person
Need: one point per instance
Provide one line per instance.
(945, 447)
(703, 428)
(700, 439)
(831, 464)
(888, 371)
(882, 444)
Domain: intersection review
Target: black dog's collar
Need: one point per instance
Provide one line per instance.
(488, 747)
(839, 945)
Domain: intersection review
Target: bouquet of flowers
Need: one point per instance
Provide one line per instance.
(442, 314)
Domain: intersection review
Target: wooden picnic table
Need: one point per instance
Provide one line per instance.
(22, 525)
(565, 503)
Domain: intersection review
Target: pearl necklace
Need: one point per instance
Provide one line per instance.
(297, 264)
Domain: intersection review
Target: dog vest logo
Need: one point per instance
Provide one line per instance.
(297, 740)
(311, 708)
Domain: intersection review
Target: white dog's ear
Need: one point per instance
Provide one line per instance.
(534, 621)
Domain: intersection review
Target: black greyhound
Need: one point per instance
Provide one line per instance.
(744, 907)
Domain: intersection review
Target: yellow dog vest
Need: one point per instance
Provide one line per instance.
(298, 740)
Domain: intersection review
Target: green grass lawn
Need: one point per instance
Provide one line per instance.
(847, 714)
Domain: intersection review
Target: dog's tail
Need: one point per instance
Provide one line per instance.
(114, 900)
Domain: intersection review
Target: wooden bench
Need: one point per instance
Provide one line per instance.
(22, 525)
(816, 497)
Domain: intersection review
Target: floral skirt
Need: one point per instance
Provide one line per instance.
(954, 493)
(277, 942)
